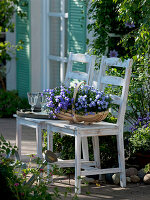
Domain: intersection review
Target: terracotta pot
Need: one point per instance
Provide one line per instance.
(143, 159)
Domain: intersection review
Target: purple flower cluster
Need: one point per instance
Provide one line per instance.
(113, 53)
(88, 100)
(141, 122)
(129, 24)
(59, 98)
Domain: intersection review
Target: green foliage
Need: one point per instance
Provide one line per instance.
(124, 26)
(140, 140)
(7, 10)
(14, 179)
(147, 168)
(105, 22)
(10, 102)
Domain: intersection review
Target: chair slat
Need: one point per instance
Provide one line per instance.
(81, 58)
(117, 62)
(83, 76)
(78, 75)
(112, 80)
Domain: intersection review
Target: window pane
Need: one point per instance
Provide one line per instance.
(54, 36)
(54, 5)
(54, 74)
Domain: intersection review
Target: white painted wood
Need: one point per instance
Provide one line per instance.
(77, 163)
(84, 58)
(49, 147)
(39, 140)
(38, 124)
(117, 62)
(44, 44)
(124, 95)
(57, 58)
(95, 130)
(121, 160)
(62, 45)
(82, 76)
(18, 136)
(96, 150)
(71, 163)
(112, 80)
(55, 14)
(100, 171)
(85, 149)
(49, 139)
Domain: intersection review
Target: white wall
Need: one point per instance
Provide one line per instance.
(36, 76)
(11, 65)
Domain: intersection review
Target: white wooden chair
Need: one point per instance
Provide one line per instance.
(83, 166)
(87, 76)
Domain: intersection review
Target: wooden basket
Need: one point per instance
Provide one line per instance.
(96, 117)
(71, 116)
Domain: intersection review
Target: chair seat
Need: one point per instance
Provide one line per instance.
(100, 128)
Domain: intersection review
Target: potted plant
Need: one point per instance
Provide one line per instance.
(81, 102)
(140, 140)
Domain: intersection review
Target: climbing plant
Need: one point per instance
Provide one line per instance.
(122, 29)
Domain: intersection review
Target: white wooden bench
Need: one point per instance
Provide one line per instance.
(40, 124)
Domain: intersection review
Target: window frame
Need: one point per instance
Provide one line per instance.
(46, 56)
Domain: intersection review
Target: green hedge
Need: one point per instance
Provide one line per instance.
(10, 102)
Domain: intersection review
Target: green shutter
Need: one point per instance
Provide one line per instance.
(24, 55)
(77, 11)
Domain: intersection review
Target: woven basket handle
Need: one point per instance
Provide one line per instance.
(74, 96)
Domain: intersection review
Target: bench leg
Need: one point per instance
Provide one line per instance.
(49, 147)
(18, 136)
(39, 140)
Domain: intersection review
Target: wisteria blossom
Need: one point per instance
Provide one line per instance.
(88, 100)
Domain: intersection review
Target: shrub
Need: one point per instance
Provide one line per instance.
(10, 102)
(140, 140)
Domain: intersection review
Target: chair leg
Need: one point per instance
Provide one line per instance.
(121, 159)
(85, 148)
(96, 149)
(77, 163)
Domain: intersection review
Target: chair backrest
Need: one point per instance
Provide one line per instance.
(104, 80)
(81, 76)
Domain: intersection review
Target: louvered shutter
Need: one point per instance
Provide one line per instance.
(24, 55)
(77, 11)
